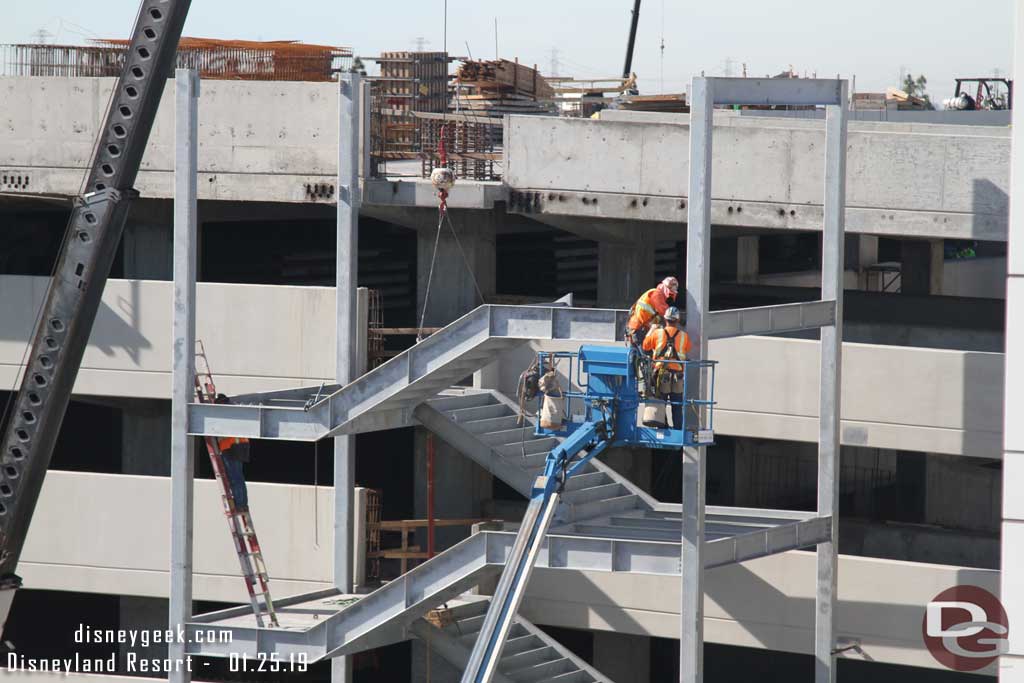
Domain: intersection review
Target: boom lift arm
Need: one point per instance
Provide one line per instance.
(611, 401)
(589, 440)
(83, 266)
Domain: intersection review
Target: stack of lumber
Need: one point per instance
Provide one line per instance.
(495, 88)
(904, 101)
(673, 104)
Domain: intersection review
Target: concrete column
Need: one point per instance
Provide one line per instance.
(624, 271)
(147, 249)
(861, 254)
(635, 464)
(923, 261)
(464, 262)
(460, 489)
(748, 259)
(622, 657)
(429, 667)
(146, 438)
(140, 615)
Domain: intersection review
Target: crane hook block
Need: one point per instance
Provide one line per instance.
(442, 178)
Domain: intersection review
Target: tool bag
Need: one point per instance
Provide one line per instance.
(553, 406)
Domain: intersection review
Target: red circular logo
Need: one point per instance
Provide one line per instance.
(965, 628)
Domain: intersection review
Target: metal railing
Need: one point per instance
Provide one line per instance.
(579, 402)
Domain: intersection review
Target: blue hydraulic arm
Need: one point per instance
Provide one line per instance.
(608, 415)
(589, 439)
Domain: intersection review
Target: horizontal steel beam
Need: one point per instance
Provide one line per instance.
(738, 322)
(382, 616)
(770, 541)
(776, 91)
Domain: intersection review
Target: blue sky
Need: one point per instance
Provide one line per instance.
(872, 39)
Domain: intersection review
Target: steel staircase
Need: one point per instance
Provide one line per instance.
(386, 397)
(530, 654)
(483, 425)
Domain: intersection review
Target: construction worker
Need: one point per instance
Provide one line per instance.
(235, 452)
(649, 309)
(667, 344)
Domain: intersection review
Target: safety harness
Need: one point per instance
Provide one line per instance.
(662, 374)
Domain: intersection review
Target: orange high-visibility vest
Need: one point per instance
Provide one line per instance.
(652, 304)
(227, 442)
(662, 341)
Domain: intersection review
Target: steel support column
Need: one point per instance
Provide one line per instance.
(826, 314)
(186, 90)
(347, 256)
(832, 266)
(698, 261)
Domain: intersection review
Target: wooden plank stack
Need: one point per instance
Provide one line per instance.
(669, 103)
(499, 87)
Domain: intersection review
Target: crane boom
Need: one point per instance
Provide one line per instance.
(628, 68)
(83, 266)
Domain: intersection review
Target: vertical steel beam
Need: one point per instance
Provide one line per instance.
(362, 331)
(186, 92)
(347, 257)
(698, 258)
(832, 262)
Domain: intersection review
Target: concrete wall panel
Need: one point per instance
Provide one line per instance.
(764, 603)
(257, 337)
(941, 173)
(117, 539)
(907, 398)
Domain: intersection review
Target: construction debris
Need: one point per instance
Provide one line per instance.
(441, 617)
(891, 99)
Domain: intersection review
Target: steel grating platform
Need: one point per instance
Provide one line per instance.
(329, 624)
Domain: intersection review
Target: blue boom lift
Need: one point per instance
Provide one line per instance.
(602, 414)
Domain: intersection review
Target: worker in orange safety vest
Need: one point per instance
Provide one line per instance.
(667, 344)
(649, 309)
(235, 452)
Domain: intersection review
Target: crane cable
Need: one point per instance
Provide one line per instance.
(443, 182)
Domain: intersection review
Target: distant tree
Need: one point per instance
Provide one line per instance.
(917, 87)
(358, 67)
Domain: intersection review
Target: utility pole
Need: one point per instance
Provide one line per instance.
(555, 66)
